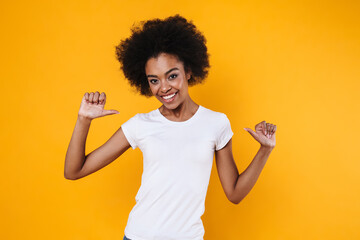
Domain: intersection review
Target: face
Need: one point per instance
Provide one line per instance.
(168, 80)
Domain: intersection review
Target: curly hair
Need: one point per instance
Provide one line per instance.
(173, 35)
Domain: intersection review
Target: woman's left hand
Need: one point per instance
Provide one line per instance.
(265, 134)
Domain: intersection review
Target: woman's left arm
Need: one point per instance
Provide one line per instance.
(236, 186)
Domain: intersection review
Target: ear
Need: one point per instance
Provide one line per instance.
(188, 74)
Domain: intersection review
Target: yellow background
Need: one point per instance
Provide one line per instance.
(291, 63)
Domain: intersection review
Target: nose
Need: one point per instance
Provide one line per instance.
(165, 86)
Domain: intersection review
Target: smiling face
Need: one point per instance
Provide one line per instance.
(168, 80)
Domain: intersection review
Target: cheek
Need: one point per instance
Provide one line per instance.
(180, 84)
(153, 88)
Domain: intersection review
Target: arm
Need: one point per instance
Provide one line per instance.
(75, 155)
(236, 186)
(77, 165)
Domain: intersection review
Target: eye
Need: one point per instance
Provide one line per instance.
(153, 81)
(172, 76)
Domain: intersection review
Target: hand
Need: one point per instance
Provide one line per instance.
(92, 106)
(265, 134)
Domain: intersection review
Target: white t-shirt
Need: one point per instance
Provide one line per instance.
(177, 161)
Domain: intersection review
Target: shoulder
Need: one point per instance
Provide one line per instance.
(219, 125)
(141, 122)
(147, 117)
(214, 115)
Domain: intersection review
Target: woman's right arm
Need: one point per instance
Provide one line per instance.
(77, 165)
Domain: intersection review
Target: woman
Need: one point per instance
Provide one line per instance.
(178, 140)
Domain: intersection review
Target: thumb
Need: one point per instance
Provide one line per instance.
(254, 134)
(109, 112)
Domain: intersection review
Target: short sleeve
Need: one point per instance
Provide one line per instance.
(129, 129)
(224, 134)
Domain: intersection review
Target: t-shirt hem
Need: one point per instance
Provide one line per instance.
(134, 237)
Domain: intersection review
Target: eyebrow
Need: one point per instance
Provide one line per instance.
(165, 73)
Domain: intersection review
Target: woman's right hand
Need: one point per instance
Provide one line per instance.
(92, 106)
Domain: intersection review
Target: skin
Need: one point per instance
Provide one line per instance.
(166, 75)
(162, 82)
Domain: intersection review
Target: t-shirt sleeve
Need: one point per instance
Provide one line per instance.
(224, 134)
(129, 129)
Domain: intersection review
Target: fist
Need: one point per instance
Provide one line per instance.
(264, 134)
(92, 106)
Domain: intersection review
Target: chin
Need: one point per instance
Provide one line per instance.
(170, 105)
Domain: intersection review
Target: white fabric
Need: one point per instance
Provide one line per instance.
(177, 162)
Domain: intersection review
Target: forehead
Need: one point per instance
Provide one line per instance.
(162, 63)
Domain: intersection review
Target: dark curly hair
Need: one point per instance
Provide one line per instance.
(173, 35)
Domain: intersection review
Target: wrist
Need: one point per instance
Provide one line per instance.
(84, 119)
(266, 148)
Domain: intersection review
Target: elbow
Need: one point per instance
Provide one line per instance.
(235, 200)
(70, 177)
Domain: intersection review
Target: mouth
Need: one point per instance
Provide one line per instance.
(170, 97)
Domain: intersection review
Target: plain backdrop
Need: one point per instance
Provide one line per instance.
(291, 63)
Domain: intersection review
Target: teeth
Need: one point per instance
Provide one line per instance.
(169, 96)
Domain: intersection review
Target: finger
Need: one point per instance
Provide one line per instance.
(96, 97)
(264, 127)
(274, 129)
(102, 98)
(270, 129)
(91, 97)
(259, 126)
(86, 96)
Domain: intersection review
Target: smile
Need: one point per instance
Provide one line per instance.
(169, 98)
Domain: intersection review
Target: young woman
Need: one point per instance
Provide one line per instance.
(162, 58)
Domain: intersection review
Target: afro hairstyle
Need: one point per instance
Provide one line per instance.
(174, 35)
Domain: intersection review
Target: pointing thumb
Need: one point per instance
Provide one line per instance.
(251, 132)
(109, 112)
(248, 130)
